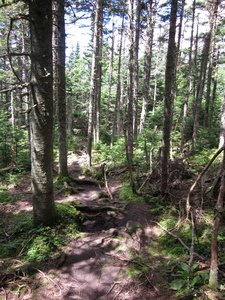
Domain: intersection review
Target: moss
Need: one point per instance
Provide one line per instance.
(126, 194)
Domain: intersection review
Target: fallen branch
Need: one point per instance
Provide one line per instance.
(179, 240)
(106, 184)
(7, 168)
(49, 278)
(188, 206)
(111, 288)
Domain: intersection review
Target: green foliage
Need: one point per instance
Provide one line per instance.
(157, 203)
(200, 159)
(208, 138)
(6, 196)
(188, 279)
(45, 242)
(38, 244)
(139, 264)
(23, 162)
(6, 135)
(126, 194)
(101, 152)
(105, 153)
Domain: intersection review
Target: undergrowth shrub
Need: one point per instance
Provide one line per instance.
(41, 243)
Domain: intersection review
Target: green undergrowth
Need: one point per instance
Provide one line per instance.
(7, 197)
(20, 239)
(126, 194)
(167, 257)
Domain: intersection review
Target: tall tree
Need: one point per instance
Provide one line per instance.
(111, 63)
(189, 77)
(206, 54)
(169, 95)
(212, 58)
(40, 12)
(116, 119)
(147, 62)
(136, 65)
(130, 98)
(95, 71)
(59, 82)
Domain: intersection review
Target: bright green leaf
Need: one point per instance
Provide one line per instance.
(177, 284)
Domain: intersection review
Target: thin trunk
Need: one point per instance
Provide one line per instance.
(94, 85)
(117, 119)
(96, 129)
(213, 100)
(136, 67)
(207, 57)
(200, 88)
(110, 73)
(213, 276)
(170, 91)
(59, 80)
(156, 74)
(189, 79)
(147, 65)
(222, 124)
(130, 113)
(212, 66)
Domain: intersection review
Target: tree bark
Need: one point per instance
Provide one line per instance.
(147, 66)
(169, 95)
(59, 80)
(213, 276)
(40, 12)
(94, 85)
(130, 98)
(117, 128)
(136, 67)
(110, 73)
(189, 78)
(213, 25)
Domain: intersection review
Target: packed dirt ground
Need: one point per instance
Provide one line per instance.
(102, 261)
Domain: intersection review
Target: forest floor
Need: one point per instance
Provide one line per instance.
(108, 260)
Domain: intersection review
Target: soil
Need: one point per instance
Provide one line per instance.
(99, 263)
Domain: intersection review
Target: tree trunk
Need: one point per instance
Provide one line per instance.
(94, 85)
(213, 276)
(136, 67)
(59, 81)
(130, 113)
(147, 66)
(189, 78)
(222, 124)
(213, 100)
(207, 56)
(40, 12)
(212, 20)
(200, 89)
(116, 119)
(169, 94)
(110, 74)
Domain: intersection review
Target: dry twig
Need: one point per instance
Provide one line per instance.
(179, 240)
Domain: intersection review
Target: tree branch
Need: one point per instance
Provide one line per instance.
(188, 206)
(15, 87)
(179, 240)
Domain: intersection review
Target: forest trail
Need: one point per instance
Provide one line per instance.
(99, 263)
(103, 261)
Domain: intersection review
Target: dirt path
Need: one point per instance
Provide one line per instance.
(102, 262)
